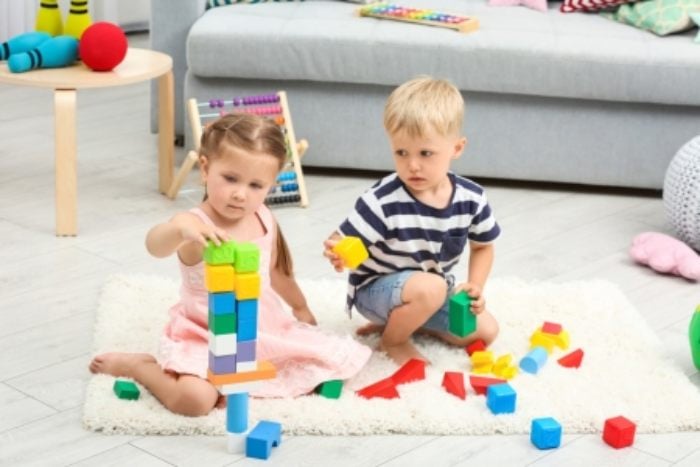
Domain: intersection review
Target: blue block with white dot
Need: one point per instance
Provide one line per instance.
(545, 433)
(262, 439)
(500, 398)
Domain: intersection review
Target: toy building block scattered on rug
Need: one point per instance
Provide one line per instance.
(261, 439)
(534, 360)
(126, 390)
(551, 328)
(482, 361)
(475, 346)
(550, 335)
(504, 368)
(352, 251)
(383, 10)
(618, 432)
(330, 389)
(453, 382)
(480, 384)
(501, 398)
(385, 388)
(412, 370)
(572, 360)
(694, 336)
(545, 433)
(462, 321)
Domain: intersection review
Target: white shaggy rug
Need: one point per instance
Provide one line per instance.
(625, 370)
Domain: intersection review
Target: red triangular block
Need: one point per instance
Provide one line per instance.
(453, 382)
(385, 389)
(475, 346)
(412, 370)
(572, 360)
(482, 383)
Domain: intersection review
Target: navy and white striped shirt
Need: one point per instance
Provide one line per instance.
(401, 233)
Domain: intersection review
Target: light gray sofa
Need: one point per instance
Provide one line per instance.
(572, 98)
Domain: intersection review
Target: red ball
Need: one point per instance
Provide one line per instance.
(103, 46)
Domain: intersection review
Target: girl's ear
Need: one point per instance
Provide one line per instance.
(203, 167)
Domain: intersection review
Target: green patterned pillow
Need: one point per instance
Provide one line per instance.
(662, 17)
(696, 19)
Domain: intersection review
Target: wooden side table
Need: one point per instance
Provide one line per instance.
(138, 65)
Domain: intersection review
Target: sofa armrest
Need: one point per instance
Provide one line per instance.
(170, 23)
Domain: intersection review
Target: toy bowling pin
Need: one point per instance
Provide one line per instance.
(54, 53)
(78, 18)
(48, 18)
(22, 43)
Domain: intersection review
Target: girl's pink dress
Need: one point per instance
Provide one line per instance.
(304, 355)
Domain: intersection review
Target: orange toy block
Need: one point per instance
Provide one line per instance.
(453, 382)
(220, 278)
(551, 328)
(385, 389)
(266, 370)
(412, 370)
(572, 360)
(482, 383)
(352, 251)
(476, 346)
(247, 286)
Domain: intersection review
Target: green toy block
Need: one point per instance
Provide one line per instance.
(222, 323)
(126, 390)
(694, 335)
(247, 257)
(223, 254)
(462, 320)
(330, 389)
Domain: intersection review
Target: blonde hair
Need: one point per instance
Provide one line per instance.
(255, 134)
(423, 103)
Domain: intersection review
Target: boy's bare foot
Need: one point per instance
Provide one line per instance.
(402, 353)
(370, 328)
(118, 363)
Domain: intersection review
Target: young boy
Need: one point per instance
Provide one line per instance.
(416, 223)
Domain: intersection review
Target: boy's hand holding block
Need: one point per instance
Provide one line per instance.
(462, 320)
(352, 251)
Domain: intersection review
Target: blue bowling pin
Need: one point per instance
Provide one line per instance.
(54, 53)
(22, 43)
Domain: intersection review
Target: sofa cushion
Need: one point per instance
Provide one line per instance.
(516, 50)
(661, 17)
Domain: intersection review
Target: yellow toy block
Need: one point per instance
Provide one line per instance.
(561, 340)
(219, 278)
(482, 369)
(266, 370)
(481, 358)
(509, 372)
(352, 251)
(541, 339)
(502, 363)
(247, 286)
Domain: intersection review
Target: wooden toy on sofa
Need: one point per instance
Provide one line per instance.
(291, 188)
(383, 10)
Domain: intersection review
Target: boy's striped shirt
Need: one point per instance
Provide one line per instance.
(401, 233)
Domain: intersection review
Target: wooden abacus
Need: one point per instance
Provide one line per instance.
(391, 11)
(290, 188)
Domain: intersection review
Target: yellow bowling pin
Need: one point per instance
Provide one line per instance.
(78, 18)
(48, 18)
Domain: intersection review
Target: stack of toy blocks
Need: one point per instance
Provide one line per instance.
(233, 283)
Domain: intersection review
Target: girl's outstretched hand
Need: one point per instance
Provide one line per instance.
(475, 293)
(304, 315)
(194, 230)
(328, 252)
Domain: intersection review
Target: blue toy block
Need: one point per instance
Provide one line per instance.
(534, 360)
(237, 412)
(500, 398)
(262, 439)
(247, 309)
(545, 433)
(247, 330)
(222, 303)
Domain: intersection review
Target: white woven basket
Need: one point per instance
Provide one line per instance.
(682, 193)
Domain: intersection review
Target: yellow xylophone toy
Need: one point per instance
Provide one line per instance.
(383, 10)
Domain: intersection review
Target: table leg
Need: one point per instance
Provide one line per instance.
(66, 173)
(166, 131)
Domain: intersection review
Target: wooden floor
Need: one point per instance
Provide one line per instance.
(49, 290)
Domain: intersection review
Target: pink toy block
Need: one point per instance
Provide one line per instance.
(551, 328)
(453, 382)
(572, 360)
(619, 432)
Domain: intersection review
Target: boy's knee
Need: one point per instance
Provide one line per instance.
(488, 328)
(429, 289)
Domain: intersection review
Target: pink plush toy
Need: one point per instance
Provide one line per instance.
(666, 254)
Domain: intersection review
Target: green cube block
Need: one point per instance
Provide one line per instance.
(330, 389)
(126, 390)
(462, 320)
(247, 257)
(223, 254)
(222, 323)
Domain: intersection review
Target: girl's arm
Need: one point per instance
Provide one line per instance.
(184, 233)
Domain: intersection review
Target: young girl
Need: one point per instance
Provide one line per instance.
(240, 158)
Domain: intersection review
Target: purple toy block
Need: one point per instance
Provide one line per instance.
(222, 365)
(246, 351)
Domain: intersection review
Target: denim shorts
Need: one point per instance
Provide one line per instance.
(375, 300)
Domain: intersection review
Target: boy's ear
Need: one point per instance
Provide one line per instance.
(459, 147)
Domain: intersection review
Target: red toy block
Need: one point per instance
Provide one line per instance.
(385, 389)
(412, 370)
(482, 383)
(619, 432)
(453, 382)
(572, 360)
(477, 345)
(551, 328)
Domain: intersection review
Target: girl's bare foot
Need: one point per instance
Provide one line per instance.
(370, 328)
(401, 353)
(119, 363)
